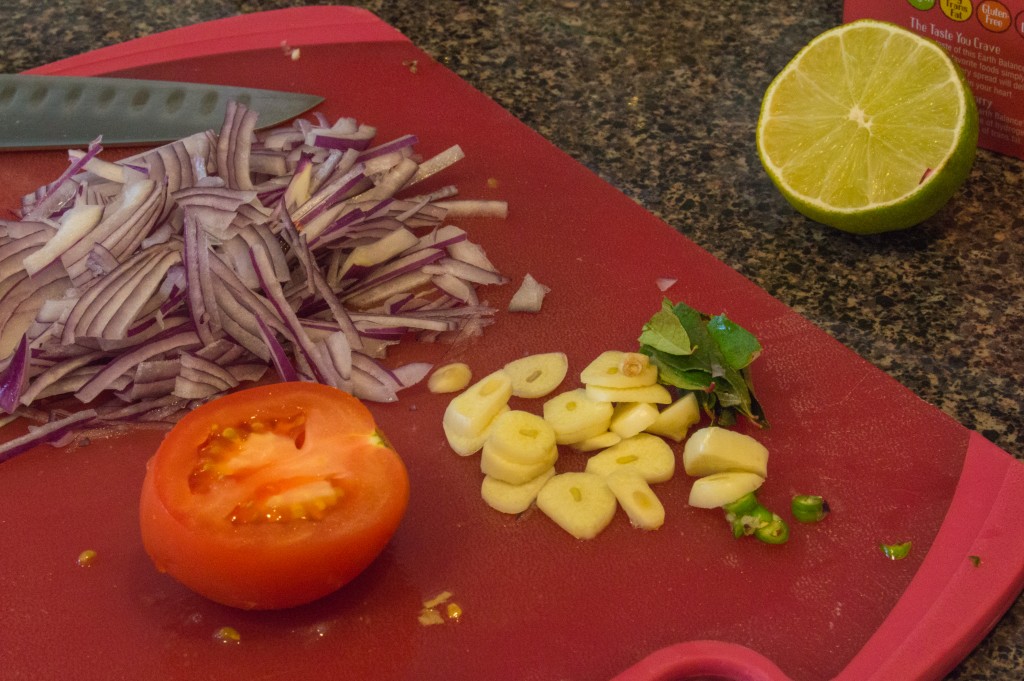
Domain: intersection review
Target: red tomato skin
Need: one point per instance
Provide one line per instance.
(274, 565)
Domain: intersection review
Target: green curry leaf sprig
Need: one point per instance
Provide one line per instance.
(709, 355)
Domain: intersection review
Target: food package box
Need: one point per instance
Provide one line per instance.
(986, 38)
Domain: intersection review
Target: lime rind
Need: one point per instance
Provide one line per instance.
(892, 136)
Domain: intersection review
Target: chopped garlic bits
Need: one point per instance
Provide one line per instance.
(439, 610)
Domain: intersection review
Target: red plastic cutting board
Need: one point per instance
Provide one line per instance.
(686, 601)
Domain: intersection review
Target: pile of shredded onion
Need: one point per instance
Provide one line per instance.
(143, 286)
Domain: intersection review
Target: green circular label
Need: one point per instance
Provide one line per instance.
(922, 4)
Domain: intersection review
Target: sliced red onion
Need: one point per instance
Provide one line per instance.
(74, 225)
(529, 297)
(329, 196)
(438, 163)
(142, 410)
(200, 378)
(403, 142)
(104, 378)
(51, 432)
(56, 372)
(469, 208)
(14, 377)
(665, 283)
(235, 145)
(23, 292)
(389, 182)
(132, 205)
(278, 355)
(203, 306)
(174, 275)
(61, 190)
(412, 373)
(465, 271)
(457, 288)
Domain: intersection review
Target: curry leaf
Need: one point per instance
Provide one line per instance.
(738, 346)
(665, 332)
(707, 355)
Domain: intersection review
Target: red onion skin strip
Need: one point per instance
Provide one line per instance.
(465, 271)
(254, 303)
(409, 263)
(100, 381)
(85, 309)
(23, 292)
(329, 196)
(225, 143)
(243, 147)
(337, 229)
(366, 386)
(340, 143)
(403, 142)
(51, 432)
(198, 370)
(126, 239)
(240, 324)
(225, 204)
(410, 374)
(264, 270)
(348, 174)
(320, 286)
(128, 204)
(13, 250)
(56, 372)
(285, 369)
(133, 285)
(132, 411)
(199, 282)
(14, 377)
(42, 208)
(297, 245)
(127, 313)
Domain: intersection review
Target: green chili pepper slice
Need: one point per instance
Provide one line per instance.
(745, 504)
(896, 551)
(738, 514)
(775, 532)
(751, 520)
(809, 508)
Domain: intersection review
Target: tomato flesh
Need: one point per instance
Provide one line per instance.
(272, 497)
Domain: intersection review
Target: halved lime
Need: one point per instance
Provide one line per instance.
(870, 128)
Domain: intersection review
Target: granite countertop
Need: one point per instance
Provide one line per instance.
(660, 99)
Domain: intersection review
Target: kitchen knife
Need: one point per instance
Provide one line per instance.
(42, 112)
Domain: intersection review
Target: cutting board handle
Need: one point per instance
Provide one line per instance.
(704, 661)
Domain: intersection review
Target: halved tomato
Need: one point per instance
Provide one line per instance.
(273, 496)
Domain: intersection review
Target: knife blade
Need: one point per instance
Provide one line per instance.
(46, 112)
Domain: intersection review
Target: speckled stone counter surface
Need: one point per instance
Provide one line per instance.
(661, 99)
